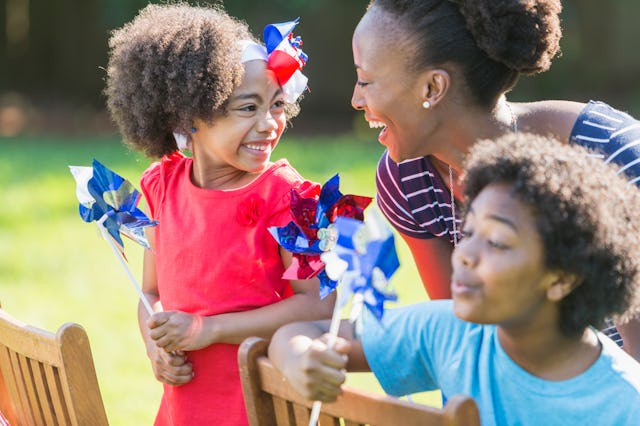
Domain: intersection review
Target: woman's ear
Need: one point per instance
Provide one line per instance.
(434, 85)
(561, 285)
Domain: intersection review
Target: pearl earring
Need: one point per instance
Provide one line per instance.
(426, 105)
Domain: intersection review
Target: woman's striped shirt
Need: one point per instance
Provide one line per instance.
(417, 201)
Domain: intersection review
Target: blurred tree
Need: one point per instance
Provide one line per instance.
(52, 52)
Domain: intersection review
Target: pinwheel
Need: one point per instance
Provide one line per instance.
(111, 201)
(312, 232)
(362, 261)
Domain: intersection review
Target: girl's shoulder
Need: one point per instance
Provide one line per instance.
(284, 176)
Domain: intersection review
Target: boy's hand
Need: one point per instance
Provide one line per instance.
(177, 331)
(170, 368)
(318, 372)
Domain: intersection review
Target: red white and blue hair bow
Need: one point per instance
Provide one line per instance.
(283, 56)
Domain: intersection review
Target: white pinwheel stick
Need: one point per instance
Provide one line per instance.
(123, 262)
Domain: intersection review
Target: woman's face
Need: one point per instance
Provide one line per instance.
(386, 89)
(499, 275)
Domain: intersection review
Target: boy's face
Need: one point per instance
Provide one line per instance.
(498, 271)
(245, 136)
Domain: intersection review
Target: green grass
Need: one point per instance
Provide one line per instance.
(55, 268)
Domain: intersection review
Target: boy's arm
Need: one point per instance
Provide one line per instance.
(175, 330)
(301, 353)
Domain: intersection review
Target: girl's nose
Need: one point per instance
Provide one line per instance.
(267, 123)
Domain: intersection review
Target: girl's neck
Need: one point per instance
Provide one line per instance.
(220, 178)
(550, 355)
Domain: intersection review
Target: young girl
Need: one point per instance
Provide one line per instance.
(550, 247)
(189, 76)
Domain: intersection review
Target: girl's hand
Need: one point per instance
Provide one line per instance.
(319, 372)
(177, 331)
(170, 368)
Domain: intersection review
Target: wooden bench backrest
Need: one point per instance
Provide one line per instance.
(270, 400)
(46, 378)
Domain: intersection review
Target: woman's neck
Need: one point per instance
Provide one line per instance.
(455, 138)
(550, 355)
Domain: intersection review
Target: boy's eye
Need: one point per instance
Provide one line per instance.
(497, 245)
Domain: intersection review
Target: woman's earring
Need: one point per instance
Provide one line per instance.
(426, 105)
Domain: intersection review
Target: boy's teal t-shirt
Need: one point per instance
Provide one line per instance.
(426, 347)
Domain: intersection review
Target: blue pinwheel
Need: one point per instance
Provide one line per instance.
(312, 232)
(111, 201)
(107, 197)
(363, 261)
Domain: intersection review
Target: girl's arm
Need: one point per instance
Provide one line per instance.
(433, 260)
(300, 352)
(169, 368)
(175, 330)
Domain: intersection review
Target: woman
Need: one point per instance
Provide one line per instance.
(433, 75)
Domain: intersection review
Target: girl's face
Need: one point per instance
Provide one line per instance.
(386, 90)
(245, 136)
(499, 275)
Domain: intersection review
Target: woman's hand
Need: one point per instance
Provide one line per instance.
(318, 372)
(177, 331)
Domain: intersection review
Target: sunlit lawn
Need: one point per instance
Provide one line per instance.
(54, 268)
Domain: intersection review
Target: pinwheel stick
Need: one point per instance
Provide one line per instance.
(123, 262)
(333, 334)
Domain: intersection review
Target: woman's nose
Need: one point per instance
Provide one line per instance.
(357, 100)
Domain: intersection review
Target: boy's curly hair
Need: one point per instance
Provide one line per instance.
(170, 64)
(587, 216)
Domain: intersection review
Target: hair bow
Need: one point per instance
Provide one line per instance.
(283, 56)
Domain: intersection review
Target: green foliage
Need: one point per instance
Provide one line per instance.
(55, 268)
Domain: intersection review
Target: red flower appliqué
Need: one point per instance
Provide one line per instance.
(250, 210)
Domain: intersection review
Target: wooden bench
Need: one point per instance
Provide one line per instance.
(46, 378)
(270, 400)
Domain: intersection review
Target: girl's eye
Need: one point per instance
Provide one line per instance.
(247, 108)
(278, 104)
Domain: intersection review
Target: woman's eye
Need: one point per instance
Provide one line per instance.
(362, 83)
(466, 233)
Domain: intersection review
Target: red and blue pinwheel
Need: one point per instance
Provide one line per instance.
(312, 233)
